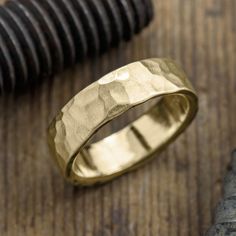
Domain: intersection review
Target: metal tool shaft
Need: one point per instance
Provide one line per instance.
(225, 216)
(41, 38)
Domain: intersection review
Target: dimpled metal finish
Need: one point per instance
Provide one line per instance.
(108, 98)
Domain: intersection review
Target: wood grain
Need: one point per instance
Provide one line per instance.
(173, 195)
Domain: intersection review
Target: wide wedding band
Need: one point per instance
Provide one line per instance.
(109, 97)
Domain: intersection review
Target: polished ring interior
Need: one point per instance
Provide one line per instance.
(108, 98)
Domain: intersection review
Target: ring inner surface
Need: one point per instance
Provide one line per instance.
(132, 144)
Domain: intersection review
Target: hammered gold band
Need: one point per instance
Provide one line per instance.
(108, 98)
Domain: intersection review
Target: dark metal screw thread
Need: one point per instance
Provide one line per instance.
(41, 38)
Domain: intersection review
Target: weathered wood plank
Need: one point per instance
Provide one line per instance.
(173, 195)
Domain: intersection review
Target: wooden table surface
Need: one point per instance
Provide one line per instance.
(177, 192)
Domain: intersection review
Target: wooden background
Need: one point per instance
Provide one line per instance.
(173, 195)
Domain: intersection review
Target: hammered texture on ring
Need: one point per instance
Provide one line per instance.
(109, 97)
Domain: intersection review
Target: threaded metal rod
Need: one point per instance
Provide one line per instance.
(41, 38)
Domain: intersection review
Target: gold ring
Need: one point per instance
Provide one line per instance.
(104, 100)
